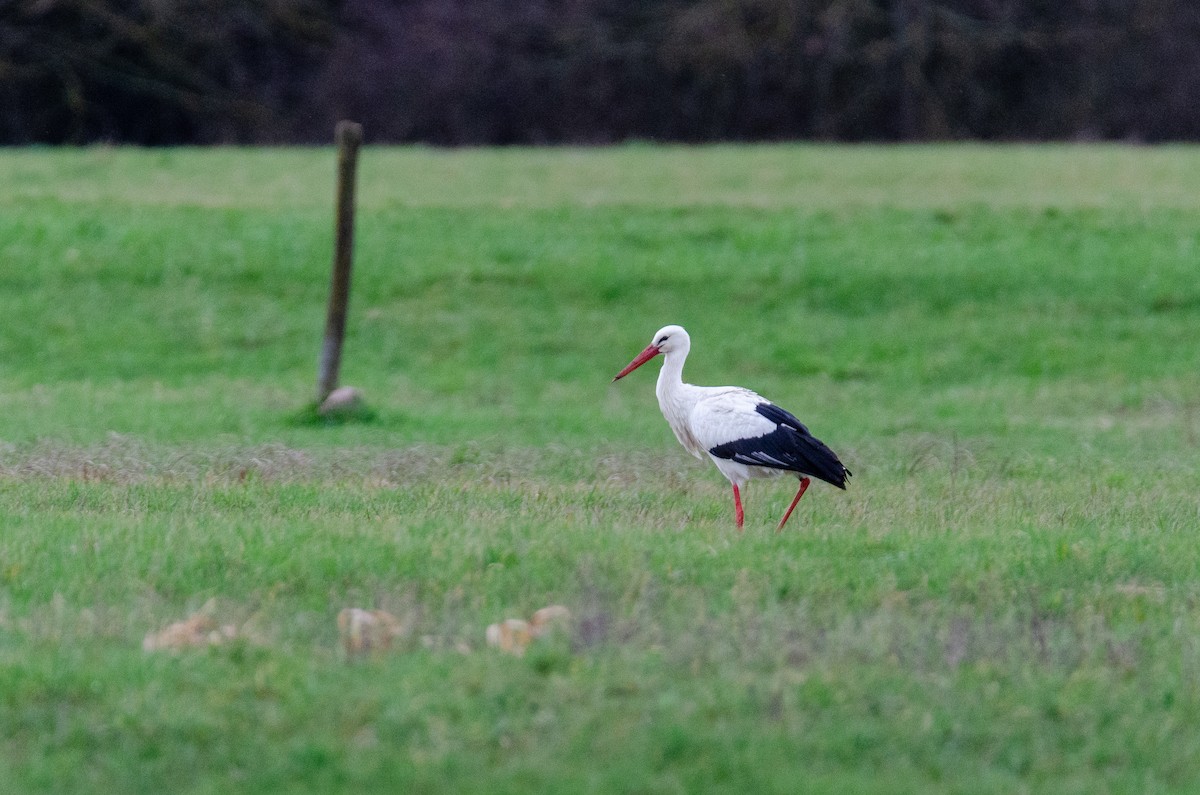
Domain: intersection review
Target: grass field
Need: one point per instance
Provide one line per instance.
(1003, 344)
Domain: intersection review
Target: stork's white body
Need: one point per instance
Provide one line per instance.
(704, 417)
(742, 433)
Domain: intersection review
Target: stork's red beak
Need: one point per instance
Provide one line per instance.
(643, 357)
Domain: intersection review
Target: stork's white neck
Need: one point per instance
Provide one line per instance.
(677, 399)
(670, 377)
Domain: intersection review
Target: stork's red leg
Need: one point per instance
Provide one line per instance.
(737, 507)
(803, 486)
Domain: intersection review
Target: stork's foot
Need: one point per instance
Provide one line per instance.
(803, 487)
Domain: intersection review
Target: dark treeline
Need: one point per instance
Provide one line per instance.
(541, 71)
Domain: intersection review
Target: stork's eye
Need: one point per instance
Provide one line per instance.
(661, 340)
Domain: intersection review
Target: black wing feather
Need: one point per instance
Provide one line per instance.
(790, 447)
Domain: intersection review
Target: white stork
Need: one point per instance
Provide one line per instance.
(745, 435)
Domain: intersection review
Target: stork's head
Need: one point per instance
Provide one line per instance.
(666, 340)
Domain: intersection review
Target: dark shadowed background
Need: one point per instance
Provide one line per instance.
(594, 71)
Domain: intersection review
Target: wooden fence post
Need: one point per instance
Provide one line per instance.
(349, 137)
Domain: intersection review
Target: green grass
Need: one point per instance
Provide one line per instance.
(1001, 342)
